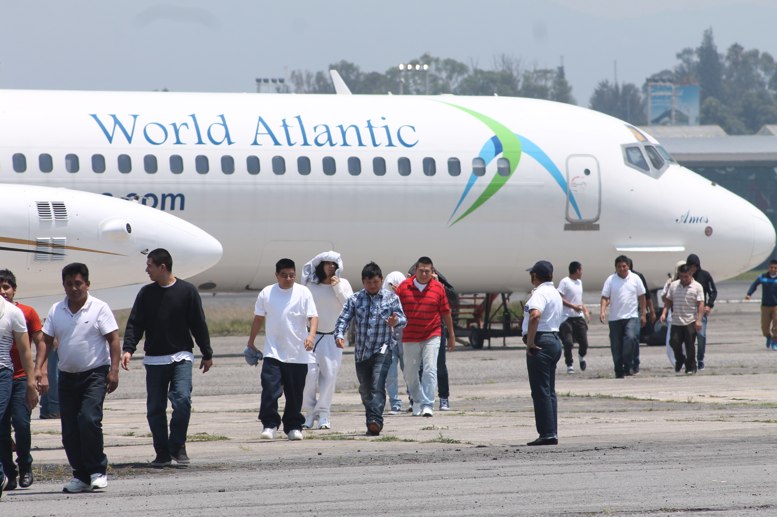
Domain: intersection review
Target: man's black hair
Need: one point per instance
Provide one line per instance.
(622, 258)
(574, 266)
(285, 263)
(161, 256)
(76, 268)
(371, 270)
(7, 276)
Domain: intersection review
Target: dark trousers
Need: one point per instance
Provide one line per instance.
(541, 366)
(624, 337)
(571, 331)
(443, 390)
(372, 374)
(17, 414)
(81, 397)
(6, 385)
(287, 379)
(174, 382)
(680, 335)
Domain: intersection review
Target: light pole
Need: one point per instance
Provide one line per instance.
(410, 67)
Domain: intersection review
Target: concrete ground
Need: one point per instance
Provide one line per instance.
(653, 444)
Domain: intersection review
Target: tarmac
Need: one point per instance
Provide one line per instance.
(656, 443)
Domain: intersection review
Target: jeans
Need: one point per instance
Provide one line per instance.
(6, 385)
(443, 389)
(701, 339)
(372, 385)
(287, 379)
(49, 402)
(422, 390)
(624, 337)
(574, 330)
(541, 366)
(174, 382)
(81, 397)
(392, 382)
(17, 414)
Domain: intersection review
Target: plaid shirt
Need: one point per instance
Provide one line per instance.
(371, 313)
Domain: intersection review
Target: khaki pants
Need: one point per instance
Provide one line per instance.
(769, 319)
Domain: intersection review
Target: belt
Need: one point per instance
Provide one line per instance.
(539, 333)
(321, 336)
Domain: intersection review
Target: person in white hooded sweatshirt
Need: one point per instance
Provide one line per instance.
(322, 276)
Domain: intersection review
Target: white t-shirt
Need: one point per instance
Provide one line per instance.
(329, 300)
(571, 291)
(286, 313)
(624, 296)
(82, 344)
(11, 320)
(546, 299)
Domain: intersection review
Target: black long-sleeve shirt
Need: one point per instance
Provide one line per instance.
(169, 317)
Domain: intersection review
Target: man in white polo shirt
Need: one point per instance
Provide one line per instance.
(624, 293)
(89, 354)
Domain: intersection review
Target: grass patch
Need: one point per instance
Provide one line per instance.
(337, 436)
(434, 428)
(443, 439)
(392, 438)
(206, 437)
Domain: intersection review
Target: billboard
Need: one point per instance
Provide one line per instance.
(673, 105)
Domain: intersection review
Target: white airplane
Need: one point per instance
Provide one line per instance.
(43, 228)
(483, 185)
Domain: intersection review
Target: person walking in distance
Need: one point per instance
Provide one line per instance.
(710, 294)
(768, 281)
(574, 328)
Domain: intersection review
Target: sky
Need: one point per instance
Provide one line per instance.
(222, 46)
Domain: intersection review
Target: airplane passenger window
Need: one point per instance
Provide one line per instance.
(227, 164)
(430, 166)
(354, 166)
(655, 157)
(71, 162)
(454, 166)
(404, 166)
(303, 165)
(176, 164)
(478, 166)
(278, 165)
(252, 164)
(19, 162)
(45, 163)
(201, 164)
(330, 166)
(635, 158)
(379, 166)
(125, 164)
(503, 166)
(98, 163)
(150, 164)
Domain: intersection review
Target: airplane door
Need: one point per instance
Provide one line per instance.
(584, 190)
(298, 251)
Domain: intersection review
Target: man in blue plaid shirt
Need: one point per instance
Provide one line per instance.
(378, 313)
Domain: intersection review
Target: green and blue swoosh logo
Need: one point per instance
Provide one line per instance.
(511, 146)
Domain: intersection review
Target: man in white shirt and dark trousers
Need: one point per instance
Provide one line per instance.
(89, 355)
(169, 312)
(574, 328)
(287, 308)
(624, 293)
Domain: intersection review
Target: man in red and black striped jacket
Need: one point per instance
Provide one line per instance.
(425, 304)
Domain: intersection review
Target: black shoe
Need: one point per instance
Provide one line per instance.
(544, 441)
(25, 477)
(180, 456)
(373, 428)
(161, 461)
(49, 416)
(619, 376)
(678, 366)
(10, 484)
(582, 364)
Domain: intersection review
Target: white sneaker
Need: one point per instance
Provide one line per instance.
(323, 423)
(75, 486)
(570, 369)
(309, 421)
(295, 434)
(416, 409)
(268, 433)
(427, 411)
(99, 481)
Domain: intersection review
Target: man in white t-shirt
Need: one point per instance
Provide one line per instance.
(89, 354)
(624, 293)
(575, 325)
(13, 327)
(285, 309)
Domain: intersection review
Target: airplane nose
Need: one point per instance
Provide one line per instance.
(193, 249)
(764, 238)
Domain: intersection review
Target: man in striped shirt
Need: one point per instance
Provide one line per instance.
(686, 299)
(377, 314)
(426, 306)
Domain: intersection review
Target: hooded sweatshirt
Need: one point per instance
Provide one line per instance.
(705, 279)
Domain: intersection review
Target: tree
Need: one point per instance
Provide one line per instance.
(709, 69)
(624, 102)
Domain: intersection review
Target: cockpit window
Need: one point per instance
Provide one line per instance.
(635, 158)
(655, 158)
(665, 154)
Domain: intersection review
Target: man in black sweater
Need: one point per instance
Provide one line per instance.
(710, 293)
(168, 311)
